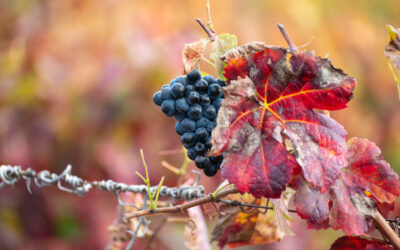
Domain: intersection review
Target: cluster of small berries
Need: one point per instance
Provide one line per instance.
(194, 102)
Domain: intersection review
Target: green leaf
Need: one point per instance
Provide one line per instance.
(220, 46)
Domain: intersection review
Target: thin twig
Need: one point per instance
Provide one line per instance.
(209, 23)
(289, 41)
(386, 231)
(242, 204)
(211, 35)
(184, 206)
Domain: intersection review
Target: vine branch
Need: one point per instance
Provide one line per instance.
(292, 46)
(386, 231)
(184, 206)
(210, 33)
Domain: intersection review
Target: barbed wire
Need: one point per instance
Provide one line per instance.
(10, 175)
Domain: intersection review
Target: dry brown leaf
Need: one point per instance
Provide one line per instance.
(192, 54)
(237, 227)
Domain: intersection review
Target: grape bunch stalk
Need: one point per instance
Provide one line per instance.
(194, 102)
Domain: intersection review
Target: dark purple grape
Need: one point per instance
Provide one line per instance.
(210, 112)
(191, 153)
(157, 99)
(178, 90)
(201, 85)
(168, 107)
(181, 105)
(211, 171)
(188, 139)
(194, 75)
(166, 92)
(188, 125)
(200, 148)
(202, 162)
(178, 128)
(214, 91)
(195, 112)
(193, 98)
(210, 79)
(202, 134)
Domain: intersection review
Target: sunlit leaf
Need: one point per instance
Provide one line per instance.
(271, 95)
(192, 54)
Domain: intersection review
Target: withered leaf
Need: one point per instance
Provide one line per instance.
(239, 227)
(192, 54)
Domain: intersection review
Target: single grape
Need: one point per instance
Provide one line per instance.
(166, 92)
(221, 83)
(168, 107)
(200, 148)
(182, 79)
(201, 85)
(204, 100)
(217, 103)
(210, 79)
(202, 162)
(195, 112)
(180, 116)
(188, 139)
(211, 171)
(194, 75)
(210, 112)
(211, 125)
(214, 91)
(157, 99)
(202, 122)
(178, 90)
(188, 125)
(191, 153)
(201, 134)
(178, 128)
(181, 105)
(217, 159)
(193, 98)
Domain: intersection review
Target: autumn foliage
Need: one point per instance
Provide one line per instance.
(273, 133)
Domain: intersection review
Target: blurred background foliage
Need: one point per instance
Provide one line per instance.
(77, 77)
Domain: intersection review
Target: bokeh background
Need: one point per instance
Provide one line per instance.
(76, 85)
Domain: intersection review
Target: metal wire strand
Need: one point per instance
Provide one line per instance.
(9, 175)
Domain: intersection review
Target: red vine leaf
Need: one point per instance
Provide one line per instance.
(366, 178)
(311, 204)
(352, 213)
(358, 243)
(368, 171)
(272, 95)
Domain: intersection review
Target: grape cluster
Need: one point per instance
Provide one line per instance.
(194, 102)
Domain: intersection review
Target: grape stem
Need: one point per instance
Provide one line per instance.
(210, 33)
(289, 41)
